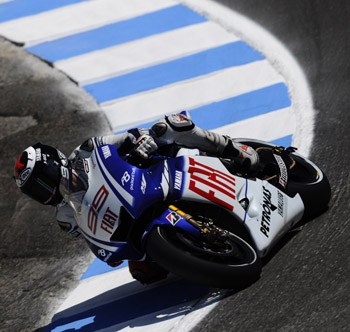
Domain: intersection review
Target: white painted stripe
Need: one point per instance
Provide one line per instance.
(90, 288)
(278, 55)
(267, 127)
(117, 285)
(125, 112)
(76, 18)
(114, 61)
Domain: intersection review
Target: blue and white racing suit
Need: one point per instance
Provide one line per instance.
(173, 130)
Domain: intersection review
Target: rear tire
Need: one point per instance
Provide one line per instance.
(234, 265)
(305, 179)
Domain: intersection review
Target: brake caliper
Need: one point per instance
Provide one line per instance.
(208, 230)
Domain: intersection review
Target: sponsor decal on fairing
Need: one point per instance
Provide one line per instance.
(212, 184)
(283, 179)
(125, 178)
(106, 151)
(86, 166)
(97, 204)
(267, 209)
(109, 217)
(173, 218)
(132, 179)
(178, 180)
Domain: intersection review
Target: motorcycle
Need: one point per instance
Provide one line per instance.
(201, 217)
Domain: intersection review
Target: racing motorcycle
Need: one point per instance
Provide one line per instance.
(204, 218)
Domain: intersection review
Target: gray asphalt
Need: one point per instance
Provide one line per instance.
(39, 263)
(304, 286)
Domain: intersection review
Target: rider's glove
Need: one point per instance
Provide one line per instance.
(145, 146)
(247, 156)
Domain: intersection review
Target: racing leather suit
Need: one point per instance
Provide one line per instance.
(176, 129)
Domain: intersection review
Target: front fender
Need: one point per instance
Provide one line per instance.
(170, 218)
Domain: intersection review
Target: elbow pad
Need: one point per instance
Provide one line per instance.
(179, 122)
(176, 122)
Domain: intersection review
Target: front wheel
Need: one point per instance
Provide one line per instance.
(228, 263)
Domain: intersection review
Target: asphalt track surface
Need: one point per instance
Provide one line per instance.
(39, 263)
(304, 286)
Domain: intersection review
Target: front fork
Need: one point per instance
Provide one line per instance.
(182, 220)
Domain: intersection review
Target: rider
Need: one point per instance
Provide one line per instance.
(43, 172)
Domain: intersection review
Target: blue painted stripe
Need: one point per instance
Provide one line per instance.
(73, 326)
(21, 8)
(202, 63)
(117, 33)
(248, 105)
(284, 141)
(238, 108)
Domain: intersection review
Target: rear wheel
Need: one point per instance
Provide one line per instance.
(305, 179)
(226, 263)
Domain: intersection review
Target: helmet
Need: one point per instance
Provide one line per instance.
(38, 173)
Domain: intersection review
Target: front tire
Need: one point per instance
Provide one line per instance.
(232, 264)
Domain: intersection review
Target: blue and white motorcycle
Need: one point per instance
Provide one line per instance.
(199, 217)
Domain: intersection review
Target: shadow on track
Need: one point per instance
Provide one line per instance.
(127, 306)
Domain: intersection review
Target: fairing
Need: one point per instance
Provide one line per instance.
(113, 183)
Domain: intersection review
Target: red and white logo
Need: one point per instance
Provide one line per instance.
(212, 184)
(24, 166)
(97, 204)
(173, 217)
(182, 118)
